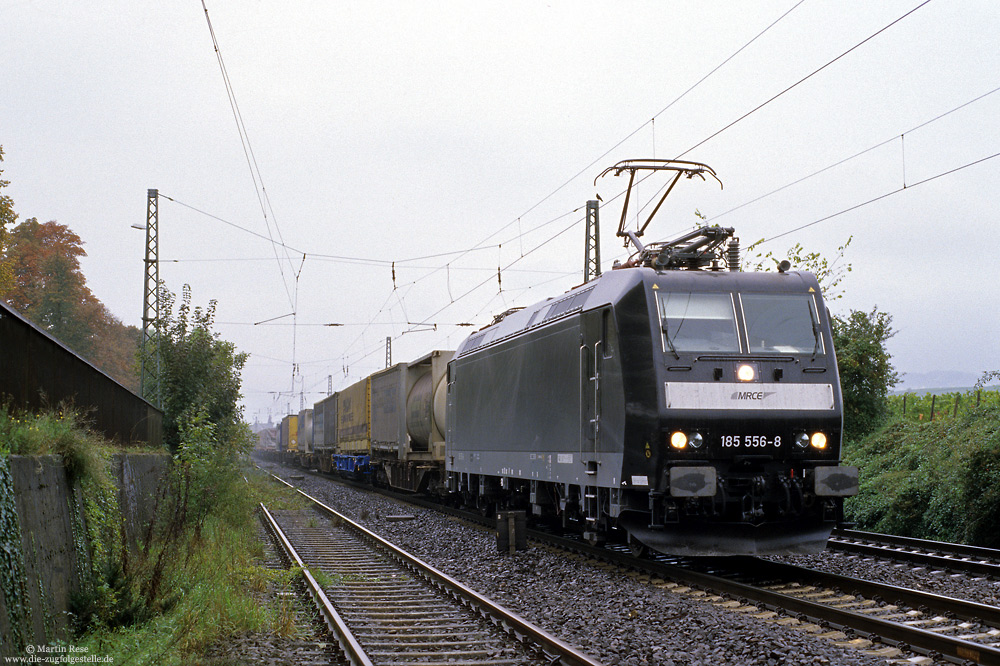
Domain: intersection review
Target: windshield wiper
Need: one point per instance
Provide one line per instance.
(666, 336)
(816, 333)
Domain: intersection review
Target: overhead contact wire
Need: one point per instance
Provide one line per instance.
(518, 220)
(859, 154)
(804, 79)
(904, 188)
(255, 175)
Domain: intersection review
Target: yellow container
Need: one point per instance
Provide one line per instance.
(290, 433)
(354, 419)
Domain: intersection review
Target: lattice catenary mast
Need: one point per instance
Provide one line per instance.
(149, 368)
(592, 253)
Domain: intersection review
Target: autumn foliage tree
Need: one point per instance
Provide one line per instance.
(40, 277)
(7, 219)
(49, 288)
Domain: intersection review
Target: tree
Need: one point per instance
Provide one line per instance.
(116, 349)
(987, 377)
(7, 219)
(49, 288)
(866, 371)
(199, 376)
(829, 274)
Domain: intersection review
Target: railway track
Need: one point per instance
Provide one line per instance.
(958, 630)
(310, 642)
(855, 612)
(881, 620)
(387, 607)
(931, 554)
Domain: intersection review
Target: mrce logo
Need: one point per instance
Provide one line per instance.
(751, 395)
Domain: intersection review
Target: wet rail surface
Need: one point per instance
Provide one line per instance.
(311, 640)
(943, 627)
(974, 560)
(394, 616)
(398, 610)
(859, 613)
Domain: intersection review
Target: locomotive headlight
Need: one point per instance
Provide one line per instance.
(696, 440)
(678, 440)
(802, 440)
(745, 373)
(818, 441)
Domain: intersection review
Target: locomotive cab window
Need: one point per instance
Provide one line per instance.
(698, 322)
(782, 323)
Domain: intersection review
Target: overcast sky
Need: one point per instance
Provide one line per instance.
(401, 131)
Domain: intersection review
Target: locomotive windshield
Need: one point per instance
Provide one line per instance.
(698, 322)
(784, 323)
(706, 322)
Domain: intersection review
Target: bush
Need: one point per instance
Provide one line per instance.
(941, 406)
(217, 582)
(931, 480)
(981, 492)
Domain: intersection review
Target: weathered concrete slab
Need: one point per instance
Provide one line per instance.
(138, 476)
(53, 544)
(42, 496)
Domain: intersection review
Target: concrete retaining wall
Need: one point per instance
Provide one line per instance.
(53, 545)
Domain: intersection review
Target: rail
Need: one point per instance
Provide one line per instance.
(352, 650)
(951, 556)
(899, 634)
(906, 637)
(560, 652)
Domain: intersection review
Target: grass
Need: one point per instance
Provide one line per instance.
(222, 588)
(24, 433)
(62, 431)
(215, 583)
(275, 496)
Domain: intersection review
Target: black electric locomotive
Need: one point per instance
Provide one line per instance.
(692, 407)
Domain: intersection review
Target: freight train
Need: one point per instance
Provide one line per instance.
(676, 403)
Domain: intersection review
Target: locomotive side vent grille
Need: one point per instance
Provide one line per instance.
(567, 305)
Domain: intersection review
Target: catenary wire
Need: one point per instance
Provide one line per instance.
(858, 154)
(886, 195)
(262, 194)
(517, 220)
(804, 79)
(255, 175)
